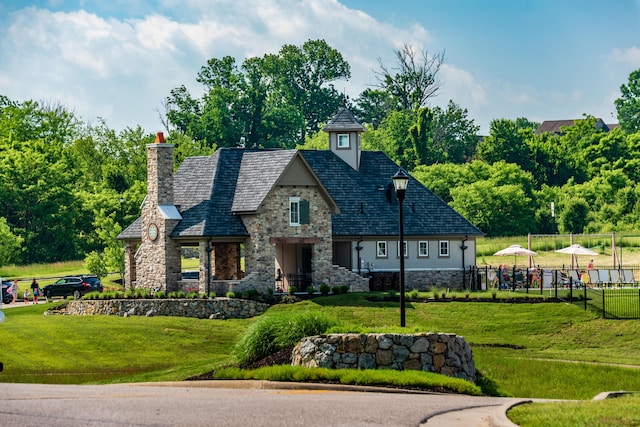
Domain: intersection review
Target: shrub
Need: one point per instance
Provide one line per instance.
(231, 294)
(293, 290)
(160, 294)
(252, 294)
(325, 289)
(344, 289)
(130, 294)
(392, 293)
(336, 290)
(414, 294)
(279, 331)
(310, 290)
(193, 295)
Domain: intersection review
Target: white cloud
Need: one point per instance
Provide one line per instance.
(629, 56)
(123, 68)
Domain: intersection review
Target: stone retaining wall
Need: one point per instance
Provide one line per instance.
(216, 308)
(446, 354)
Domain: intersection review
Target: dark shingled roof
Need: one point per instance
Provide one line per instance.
(367, 200)
(210, 190)
(343, 121)
(259, 172)
(557, 126)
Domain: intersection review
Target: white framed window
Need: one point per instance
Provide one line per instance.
(294, 211)
(343, 140)
(423, 248)
(381, 249)
(406, 249)
(444, 248)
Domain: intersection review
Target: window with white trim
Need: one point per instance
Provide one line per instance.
(343, 140)
(423, 248)
(381, 249)
(444, 248)
(298, 211)
(294, 211)
(406, 249)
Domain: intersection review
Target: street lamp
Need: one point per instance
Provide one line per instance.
(400, 182)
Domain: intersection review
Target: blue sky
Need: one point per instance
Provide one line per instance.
(119, 59)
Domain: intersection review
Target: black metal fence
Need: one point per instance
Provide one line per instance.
(611, 299)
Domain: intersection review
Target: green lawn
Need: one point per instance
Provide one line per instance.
(547, 350)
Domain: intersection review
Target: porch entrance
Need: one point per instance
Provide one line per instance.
(293, 263)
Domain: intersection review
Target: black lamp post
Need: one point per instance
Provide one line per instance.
(400, 182)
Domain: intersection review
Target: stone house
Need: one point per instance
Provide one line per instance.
(296, 217)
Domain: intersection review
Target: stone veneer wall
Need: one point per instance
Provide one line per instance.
(218, 308)
(446, 354)
(425, 280)
(273, 222)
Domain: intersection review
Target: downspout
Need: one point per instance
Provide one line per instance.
(464, 271)
(359, 248)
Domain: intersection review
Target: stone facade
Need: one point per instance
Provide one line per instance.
(446, 354)
(427, 279)
(271, 225)
(158, 261)
(217, 308)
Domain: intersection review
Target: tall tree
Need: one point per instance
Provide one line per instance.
(507, 141)
(628, 105)
(413, 79)
(304, 77)
(373, 106)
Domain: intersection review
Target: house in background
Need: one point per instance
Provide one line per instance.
(556, 126)
(296, 217)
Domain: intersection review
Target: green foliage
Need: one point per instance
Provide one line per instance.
(311, 290)
(293, 290)
(574, 216)
(407, 379)
(628, 105)
(160, 294)
(272, 333)
(10, 244)
(230, 294)
(325, 289)
(95, 264)
(252, 294)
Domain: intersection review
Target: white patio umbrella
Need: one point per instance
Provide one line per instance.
(515, 250)
(575, 250)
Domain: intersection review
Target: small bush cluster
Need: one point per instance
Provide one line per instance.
(340, 289)
(279, 331)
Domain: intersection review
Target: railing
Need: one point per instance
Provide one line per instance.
(613, 296)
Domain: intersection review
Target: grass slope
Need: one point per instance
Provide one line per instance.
(546, 350)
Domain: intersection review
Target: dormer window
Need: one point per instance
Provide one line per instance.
(343, 140)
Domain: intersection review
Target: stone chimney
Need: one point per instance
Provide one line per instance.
(160, 172)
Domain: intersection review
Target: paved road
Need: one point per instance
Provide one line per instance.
(246, 404)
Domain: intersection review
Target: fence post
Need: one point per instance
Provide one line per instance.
(604, 311)
(570, 291)
(585, 298)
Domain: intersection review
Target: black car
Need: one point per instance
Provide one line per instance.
(75, 286)
(7, 298)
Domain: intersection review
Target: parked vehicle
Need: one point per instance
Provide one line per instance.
(7, 298)
(75, 286)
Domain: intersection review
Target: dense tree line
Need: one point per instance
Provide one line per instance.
(68, 188)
